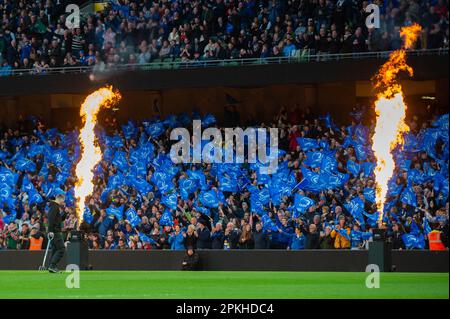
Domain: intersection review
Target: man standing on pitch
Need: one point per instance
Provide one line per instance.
(54, 230)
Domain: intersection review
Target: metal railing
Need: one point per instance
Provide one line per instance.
(170, 63)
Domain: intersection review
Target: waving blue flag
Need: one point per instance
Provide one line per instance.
(360, 151)
(368, 168)
(329, 164)
(203, 210)
(145, 239)
(372, 219)
(314, 159)
(409, 197)
(361, 134)
(170, 200)
(87, 215)
(268, 224)
(329, 122)
(114, 141)
(166, 219)
(187, 187)
(129, 130)
(120, 161)
(228, 184)
(353, 168)
(209, 199)
(34, 197)
(155, 130)
(25, 165)
(141, 185)
(307, 144)
(426, 226)
(301, 204)
(369, 194)
(59, 157)
(116, 211)
(7, 176)
(442, 122)
(10, 218)
(356, 208)
(414, 242)
(6, 195)
(162, 181)
(132, 217)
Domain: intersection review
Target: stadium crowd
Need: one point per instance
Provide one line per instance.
(320, 197)
(34, 36)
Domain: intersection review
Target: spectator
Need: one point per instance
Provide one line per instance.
(260, 238)
(217, 237)
(246, 238)
(176, 239)
(297, 241)
(203, 236)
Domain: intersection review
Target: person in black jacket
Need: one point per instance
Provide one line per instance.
(217, 237)
(260, 238)
(312, 237)
(191, 260)
(231, 237)
(396, 237)
(203, 236)
(54, 231)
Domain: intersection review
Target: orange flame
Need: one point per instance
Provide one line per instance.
(91, 153)
(390, 109)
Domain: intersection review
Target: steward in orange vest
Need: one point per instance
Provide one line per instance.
(434, 240)
(36, 240)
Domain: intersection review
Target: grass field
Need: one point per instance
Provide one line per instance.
(214, 285)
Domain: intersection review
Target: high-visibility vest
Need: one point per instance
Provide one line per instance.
(36, 243)
(434, 239)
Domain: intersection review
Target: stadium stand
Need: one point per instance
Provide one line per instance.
(34, 38)
(321, 197)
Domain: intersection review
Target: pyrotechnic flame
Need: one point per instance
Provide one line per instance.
(91, 153)
(390, 109)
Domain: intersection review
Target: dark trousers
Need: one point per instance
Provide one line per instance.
(58, 248)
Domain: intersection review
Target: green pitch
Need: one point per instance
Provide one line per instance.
(221, 284)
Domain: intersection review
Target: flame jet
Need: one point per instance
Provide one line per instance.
(390, 109)
(91, 153)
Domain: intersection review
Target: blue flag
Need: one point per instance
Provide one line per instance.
(116, 211)
(369, 194)
(166, 219)
(187, 187)
(409, 197)
(426, 226)
(132, 217)
(268, 224)
(356, 208)
(155, 130)
(414, 242)
(87, 215)
(25, 165)
(120, 161)
(145, 239)
(209, 199)
(301, 204)
(170, 200)
(307, 144)
(314, 159)
(353, 168)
